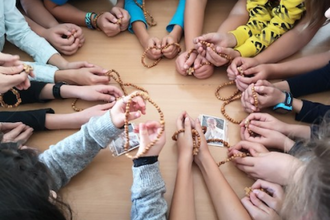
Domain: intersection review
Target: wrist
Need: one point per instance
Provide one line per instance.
(288, 144)
(231, 40)
(176, 33)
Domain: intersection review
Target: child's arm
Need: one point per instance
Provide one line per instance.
(288, 43)
(183, 203)
(67, 45)
(285, 17)
(148, 187)
(36, 10)
(224, 199)
(74, 153)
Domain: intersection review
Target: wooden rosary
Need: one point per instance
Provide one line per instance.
(27, 69)
(211, 46)
(115, 76)
(191, 69)
(235, 96)
(249, 190)
(146, 14)
(162, 124)
(196, 144)
(143, 57)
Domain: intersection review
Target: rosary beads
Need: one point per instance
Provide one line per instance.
(27, 69)
(159, 59)
(115, 76)
(162, 124)
(211, 46)
(196, 144)
(146, 14)
(191, 69)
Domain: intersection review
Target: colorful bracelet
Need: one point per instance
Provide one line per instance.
(88, 19)
(94, 21)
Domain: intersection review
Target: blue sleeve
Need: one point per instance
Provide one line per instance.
(178, 18)
(59, 2)
(311, 82)
(135, 12)
(312, 112)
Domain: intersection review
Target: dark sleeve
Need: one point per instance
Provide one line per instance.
(31, 95)
(312, 112)
(34, 118)
(311, 82)
(298, 148)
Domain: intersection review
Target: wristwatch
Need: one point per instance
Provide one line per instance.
(57, 90)
(286, 106)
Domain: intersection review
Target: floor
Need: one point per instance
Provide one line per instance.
(102, 190)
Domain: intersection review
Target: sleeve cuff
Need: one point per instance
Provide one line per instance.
(141, 161)
(241, 34)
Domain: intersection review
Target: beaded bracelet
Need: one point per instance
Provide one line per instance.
(88, 19)
(94, 21)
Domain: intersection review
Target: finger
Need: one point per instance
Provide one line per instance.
(5, 126)
(266, 198)
(110, 17)
(252, 209)
(12, 70)
(143, 132)
(198, 127)
(117, 12)
(245, 169)
(190, 61)
(24, 136)
(255, 201)
(187, 127)
(112, 90)
(180, 120)
(11, 135)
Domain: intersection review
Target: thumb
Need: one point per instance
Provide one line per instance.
(106, 97)
(11, 70)
(143, 132)
(14, 80)
(254, 153)
(134, 115)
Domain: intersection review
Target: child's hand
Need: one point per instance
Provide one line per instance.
(122, 14)
(13, 76)
(153, 54)
(66, 38)
(137, 107)
(216, 59)
(171, 51)
(148, 132)
(218, 39)
(184, 140)
(242, 62)
(243, 146)
(105, 93)
(183, 64)
(204, 152)
(202, 71)
(262, 206)
(273, 166)
(107, 22)
(267, 96)
(83, 117)
(15, 132)
(267, 121)
(268, 138)
(253, 74)
(9, 60)
(90, 76)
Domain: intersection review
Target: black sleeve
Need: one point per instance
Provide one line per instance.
(31, 95)
(34, 118)
(311, 82)
(312, 112)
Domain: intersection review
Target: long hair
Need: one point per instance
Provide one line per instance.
(308, 194)
(25, 187)
(315, 10)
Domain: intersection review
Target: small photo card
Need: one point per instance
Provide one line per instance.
(117, 146)
(215, 128)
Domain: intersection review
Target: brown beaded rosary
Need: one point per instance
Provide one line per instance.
(27, 69)
(143, 57)
(162, 124)
(146, 14)
(196, 144)
(115, 76)
(211, 46)
(235, 96)
(191, 70)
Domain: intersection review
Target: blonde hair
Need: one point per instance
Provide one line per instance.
(308, 194)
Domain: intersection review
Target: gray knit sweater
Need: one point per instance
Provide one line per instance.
(71, 155)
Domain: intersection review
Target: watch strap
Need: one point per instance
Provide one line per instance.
(287, 104)
(57, 90)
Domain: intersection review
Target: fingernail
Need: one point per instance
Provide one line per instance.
(185, 66)
(256, 191)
